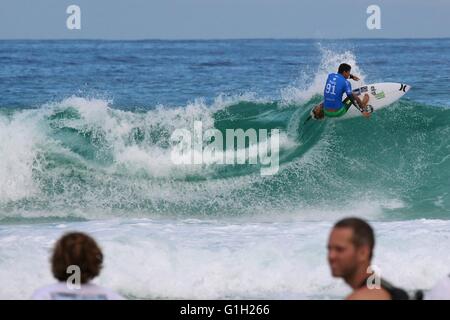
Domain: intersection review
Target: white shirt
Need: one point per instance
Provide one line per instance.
(88, 291)
(441, 291)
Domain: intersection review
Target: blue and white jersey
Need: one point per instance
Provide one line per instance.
(335, 87)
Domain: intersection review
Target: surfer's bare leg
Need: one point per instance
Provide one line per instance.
(318, 111)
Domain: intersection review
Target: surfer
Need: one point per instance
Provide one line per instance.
(335, 86)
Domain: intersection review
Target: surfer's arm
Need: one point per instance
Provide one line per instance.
(354, 77)
(360, 105)
(352, 96)
(358, 102)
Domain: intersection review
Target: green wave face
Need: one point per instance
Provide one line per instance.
(81, 159)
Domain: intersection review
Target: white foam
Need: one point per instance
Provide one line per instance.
(20, 139)
(116, 126)
(212, 259)
(311, 83)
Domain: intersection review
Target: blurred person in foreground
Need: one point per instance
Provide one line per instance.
(76, 260)
(350, 250)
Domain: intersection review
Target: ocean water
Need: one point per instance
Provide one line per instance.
(85, 145)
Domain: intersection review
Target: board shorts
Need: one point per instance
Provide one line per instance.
(346, 104)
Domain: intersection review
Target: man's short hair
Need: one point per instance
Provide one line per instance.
(80, 250)
(344, 67)
(362, 232)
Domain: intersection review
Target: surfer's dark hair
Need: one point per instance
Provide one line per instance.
(344, 67)
(362, 232)
(76, 249)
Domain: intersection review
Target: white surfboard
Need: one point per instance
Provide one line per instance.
(381, 95)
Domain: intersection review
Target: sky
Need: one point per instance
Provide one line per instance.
(223, 19)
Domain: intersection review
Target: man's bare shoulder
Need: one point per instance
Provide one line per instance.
(369, 294)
